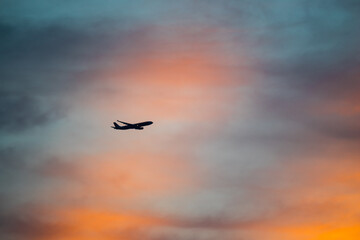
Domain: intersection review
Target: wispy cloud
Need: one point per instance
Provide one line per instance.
(255, 108)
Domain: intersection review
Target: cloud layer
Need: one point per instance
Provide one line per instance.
(255, 108)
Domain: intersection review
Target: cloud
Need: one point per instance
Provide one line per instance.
(236, 145)
(21, 112)
(29, 223)
(11, 158)
(40, 64)
(83, 222)
(310, 71)
(31, 85)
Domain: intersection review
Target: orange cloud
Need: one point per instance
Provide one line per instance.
(314, 199)
(187, 73)
(114, 176)
(93, 224)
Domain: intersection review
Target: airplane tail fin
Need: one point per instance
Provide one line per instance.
(116, 125)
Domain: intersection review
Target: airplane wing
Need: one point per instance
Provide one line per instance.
(129, 124)
(144, 123)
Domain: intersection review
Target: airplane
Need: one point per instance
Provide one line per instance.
(137, 126)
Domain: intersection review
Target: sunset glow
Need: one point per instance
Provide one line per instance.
(255, 112)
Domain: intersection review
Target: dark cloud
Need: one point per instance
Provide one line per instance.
(55, 167)
(40, 64)
(186, 228)
(34, 71)
(29, 224)
(323, 48)
(311, 69)
(215, 223)
(343, 128)
(11, 158)
(5, 32)
(141, 234)
(20, 112)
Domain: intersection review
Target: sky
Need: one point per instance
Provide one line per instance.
(255, 106)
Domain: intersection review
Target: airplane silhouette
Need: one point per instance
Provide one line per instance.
(137, 126)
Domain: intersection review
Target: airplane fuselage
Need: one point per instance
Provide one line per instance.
(136, 126)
